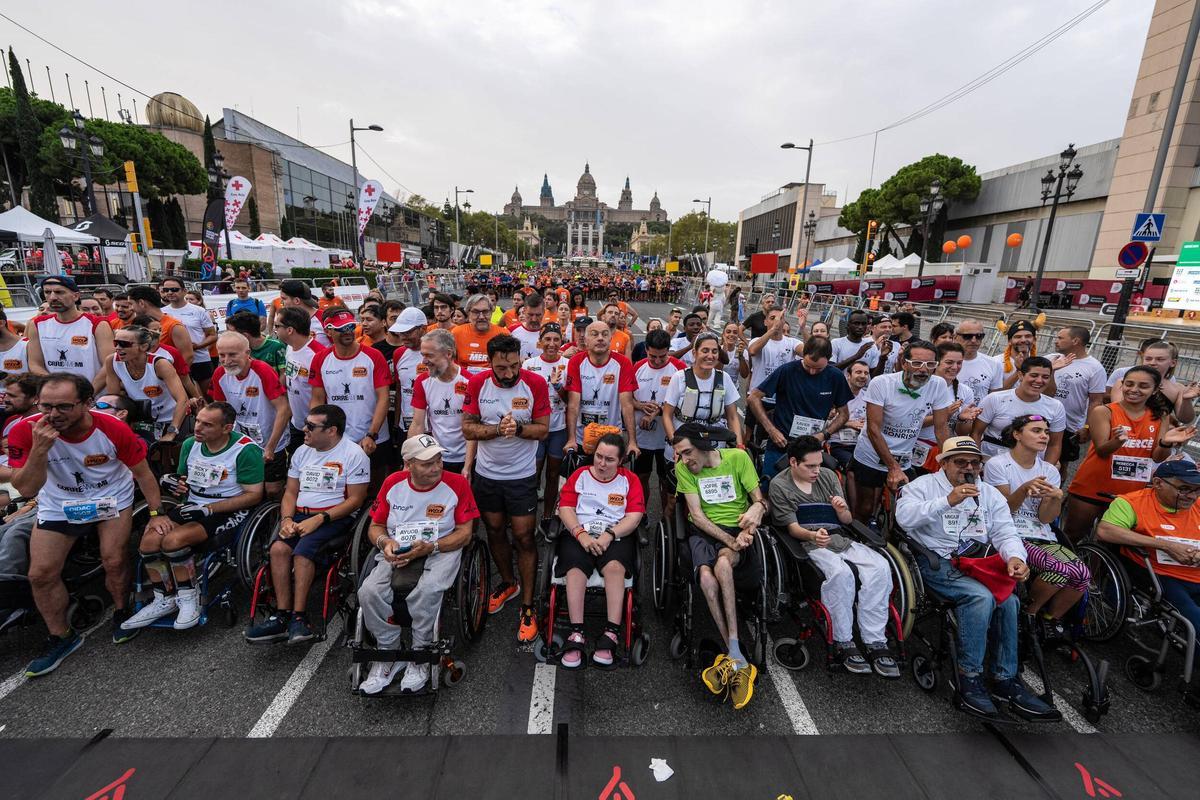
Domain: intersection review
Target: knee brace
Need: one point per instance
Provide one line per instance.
(404, 580)
(159, 571)
(183, 561)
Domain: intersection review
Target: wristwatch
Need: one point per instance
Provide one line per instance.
(156, 512)
(520, 427)
(373, 436)
(436, 550)
(170, 429)
(328, 518)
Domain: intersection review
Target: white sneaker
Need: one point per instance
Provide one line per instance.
(415, 678)
(381, 675)
(162, 605)
(189, 609)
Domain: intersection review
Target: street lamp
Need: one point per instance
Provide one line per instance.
(354, 166)
(1056, 187)
(707, 218)
(810, 228)
(457, 192)
(387, 217)
(87, 146)
(931, 206)
(807, 171)
(350, 205)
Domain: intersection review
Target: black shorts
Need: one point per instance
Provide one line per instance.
(517, 498)
(223, 526)
(571, 555)
(704, 550)
(649, 461)
(202, 370)
(454, 466)
(275, 470)
(1071, 449)
(871, 478)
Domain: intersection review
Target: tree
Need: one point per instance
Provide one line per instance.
(176, 225)
(156, 216)
(29, 133)
(210, 149)
(255, 227)
(287, 228)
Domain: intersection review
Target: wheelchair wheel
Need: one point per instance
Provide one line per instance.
(678, 647)
(791, 654)
(662, 569)
(904, 587)
(640, 650)
(85, 612)
(1142, 674)
(453, 674)
(472, 589)
(254, 542)
(361, 551)
(1107, 595)
(924, 672)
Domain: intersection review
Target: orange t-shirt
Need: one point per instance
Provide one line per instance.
(1127, 468)
(564, 295)
(115, 323)
(579, 311)
(510, 318)
(549, 316)
(168, 322)
(329, 302)
(472, 345)
(1154, 520)
(621, 342)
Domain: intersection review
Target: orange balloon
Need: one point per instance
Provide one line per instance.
(1014, 240)
(949, 247)
(964, 241)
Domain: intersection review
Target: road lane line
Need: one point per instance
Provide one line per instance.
(269, 722)
(18, 679)
(1070, 715)
(541, 700)
(785, 687)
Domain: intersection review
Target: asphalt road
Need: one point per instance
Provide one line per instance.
(209, 682)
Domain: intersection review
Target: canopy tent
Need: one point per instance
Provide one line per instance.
(300, 241)
(110, 233)
(273, 240)
(23, 225)
(911, 260)
(308, 254)
(889, 265)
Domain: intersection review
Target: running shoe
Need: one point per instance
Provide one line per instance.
(741, 686)
(1024, 703)
(850, 657)
(718, 676)
(189, 609)
(381, 675)
(500, 597)
(974, 696)
(299, 631)
(161, 606)
(606, 645)
(56, 650)
(121, 634)
(882, 662)
(273, 629)
(527, 629)
(415, 678)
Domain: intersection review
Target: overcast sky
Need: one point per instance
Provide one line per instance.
(688, 97)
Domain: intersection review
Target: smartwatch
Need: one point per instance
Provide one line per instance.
(328, 518)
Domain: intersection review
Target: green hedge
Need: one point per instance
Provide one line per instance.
(317, 272)
(263, 267)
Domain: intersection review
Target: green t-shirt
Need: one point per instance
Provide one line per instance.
(273, 352)
(250, 467)
(724, 489)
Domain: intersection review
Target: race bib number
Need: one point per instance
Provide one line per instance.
(407, 534)
(1030, 528)
(718, 489)
(319, 479)
(91, 510)
(589, 419)
(805, 426)
(204, 474)
(251, 430)
(1165, 558)
(920, 452)
(964, 523)
(1132, 468)
(595, 528)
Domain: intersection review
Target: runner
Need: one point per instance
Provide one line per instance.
(1000, 408)
(963, 410)
(438, 397)
(244, 302)
(1164, 357)
(981, 372)
(702, 393)
(856, 345)
(653, 376)
(1079, 385)
(528, 330)
(147, 302)
(263, 347)
(292, 328)
(600, 387)
(132, 371)
(551, 366)
(471, 338)
(65, 339)
(407, 364)
(199, 325)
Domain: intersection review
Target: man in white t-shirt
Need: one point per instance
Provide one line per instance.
(981, 372)
(292, 328)
(896, 407)
(528, 329)
(1078, 385)
(506, 413)
(407, 364)
(551, 365)
(772, 350)
(855, 345)
(653, 375)
(199, 326)
(327, 485)
(600, 389)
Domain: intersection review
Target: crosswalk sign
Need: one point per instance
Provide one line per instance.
(1148, 227)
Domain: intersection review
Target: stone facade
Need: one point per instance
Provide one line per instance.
(586, 205)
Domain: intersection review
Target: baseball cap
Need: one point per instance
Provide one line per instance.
(705, 437)
(1180, 470)
(60, 280)
(959, 446)
(411, 317)
(421, 448)
(337, 319)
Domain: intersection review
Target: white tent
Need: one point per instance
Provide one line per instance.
(308, 254)
(911, 260)
(889, 265)
(29, 227)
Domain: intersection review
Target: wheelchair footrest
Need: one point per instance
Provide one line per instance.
(432, 654)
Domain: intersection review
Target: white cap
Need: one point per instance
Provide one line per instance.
(411, 317)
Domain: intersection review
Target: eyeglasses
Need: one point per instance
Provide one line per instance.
(966, 463)
(978, 336)
(62, 408)
(478, 312)
(312, 426)
(921, 364)
(1183, 489)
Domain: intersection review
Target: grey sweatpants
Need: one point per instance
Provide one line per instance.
(14, 546)
(424, 601)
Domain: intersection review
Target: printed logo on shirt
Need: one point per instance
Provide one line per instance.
(435, 511)
(79, 341)
(358, 372)
(95, 460)
(609, 379)
(302, 372)
(153, 391)
(251, 391)
(421, 368)
(11, 364)
(521, 403)
(460, 388)
(334, 465)
(616, 499)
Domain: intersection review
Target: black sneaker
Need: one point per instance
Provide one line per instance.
(1024, 703)
(850, 657)
(119, 634)
(272, 629)
(299, 631)
(974, 696)
(882, 662)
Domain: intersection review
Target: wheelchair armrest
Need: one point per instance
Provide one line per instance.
(866, 533)
(920, 551)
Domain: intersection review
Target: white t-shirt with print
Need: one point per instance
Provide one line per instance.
(983, 373)
(903, 416)
(773, 355)
(999, 409)
(324, 474)
(1073, 385)
(1002, 470)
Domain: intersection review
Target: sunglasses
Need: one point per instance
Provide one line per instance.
(312, 426)
(123, 343)
(977, 336)
(100, 405)
(347, 328)
(169, 289)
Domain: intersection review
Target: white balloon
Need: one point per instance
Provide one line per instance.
(716, 278)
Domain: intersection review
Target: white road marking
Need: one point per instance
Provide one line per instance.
(269, 722)
(541, 700)
(785, 687)
(1070, 715)
(18, 679)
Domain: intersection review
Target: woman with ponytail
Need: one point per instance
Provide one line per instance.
(1129, 438)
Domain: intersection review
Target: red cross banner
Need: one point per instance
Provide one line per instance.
(236, 192)
(367, 198)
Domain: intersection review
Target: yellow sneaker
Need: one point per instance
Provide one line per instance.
(741, 686)
(717, 677)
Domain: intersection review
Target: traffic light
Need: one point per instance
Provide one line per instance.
(872, 226)
(870, 259)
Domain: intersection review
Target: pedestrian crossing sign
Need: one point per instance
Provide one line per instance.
(1148, 227)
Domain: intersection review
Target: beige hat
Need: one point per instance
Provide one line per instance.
(421, 448)
(959, 446)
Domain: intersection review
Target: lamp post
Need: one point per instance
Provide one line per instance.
(1069, 174)
(810, 228)
(354, 166)
(807, 171)
(216, 178)
(352, 229)
(87, 146)
(457, 192)
(707, 218)
(931, 206)
(387, 217)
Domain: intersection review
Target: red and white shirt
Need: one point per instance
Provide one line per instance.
(528, 339)
(602, 504)
(251, 396)
(507, 458)
(442, 402)
(297, 367)
(407, 365)
(174, 358)
(599, 389)
(554, 373)
(351, 383)
(15, 359)
(88, 479)
(412, 515)
(69, 347)
(652, 388)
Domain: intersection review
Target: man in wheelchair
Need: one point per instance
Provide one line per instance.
(725, 508)
(421, 521)
(327, 484)
(601, 506)
(804, 498)
(954, 523)
(220, 478)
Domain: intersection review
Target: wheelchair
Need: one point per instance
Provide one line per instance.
(1130, 601)
(551, 607)
(460, 622)
(796, 593)
(675, 587)
(336, 573)
(233, 550)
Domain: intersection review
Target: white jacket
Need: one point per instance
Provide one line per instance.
(924, 511)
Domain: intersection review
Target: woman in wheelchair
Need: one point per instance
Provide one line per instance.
(801, 498)
(1059, 577)
(601, 506)
(220, 477)
(954, 525)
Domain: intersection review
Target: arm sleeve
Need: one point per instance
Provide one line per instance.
(747, 477)
(358, 468)
(418, 398)
(1058, 418)
(945, 396)
(1003, 532)
(780, 516)
(997, 376)
(184, 452)
(250, 467)
(626, 382)
(314, 369)
(272, 386)
(471, 401)
(1120, 513)
(20, 439)
(674, 390)
(1097, 384)
(568, 495)
(685, 480)
(912, 509)
(993, 473)
(131, 448)
(574, 383)
(381, 508)
(215, 389)
(841, 391)
(770, 385)
(987, 409)
(541, 395)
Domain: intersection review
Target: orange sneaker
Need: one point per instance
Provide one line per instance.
(527, 631)
(502, 594)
